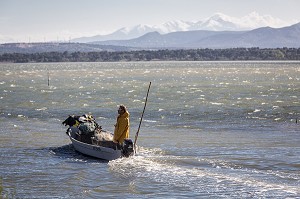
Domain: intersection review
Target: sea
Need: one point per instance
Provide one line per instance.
(210, 129)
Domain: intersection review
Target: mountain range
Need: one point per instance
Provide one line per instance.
(266, 37)
(217, 22)
(263, 37)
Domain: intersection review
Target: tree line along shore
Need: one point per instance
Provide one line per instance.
(232, 54)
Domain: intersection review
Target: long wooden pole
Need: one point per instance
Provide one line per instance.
(137, 133)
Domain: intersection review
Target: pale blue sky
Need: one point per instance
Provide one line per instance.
(45, 20)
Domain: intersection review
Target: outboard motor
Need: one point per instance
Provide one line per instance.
(128, 148)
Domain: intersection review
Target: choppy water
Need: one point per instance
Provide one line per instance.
(211, 130)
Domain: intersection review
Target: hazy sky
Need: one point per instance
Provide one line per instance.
(48, 20)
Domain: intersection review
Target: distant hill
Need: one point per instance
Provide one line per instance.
(58, 47)
(262, 37)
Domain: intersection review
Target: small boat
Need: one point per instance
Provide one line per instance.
(108, 150)
(88, 144)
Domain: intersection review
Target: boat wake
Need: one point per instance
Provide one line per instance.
(202, 176)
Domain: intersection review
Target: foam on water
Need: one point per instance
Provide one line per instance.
(194, 174)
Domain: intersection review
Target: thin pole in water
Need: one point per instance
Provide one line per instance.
(137, 133)
(48, 74)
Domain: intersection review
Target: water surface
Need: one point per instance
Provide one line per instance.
(210, 130)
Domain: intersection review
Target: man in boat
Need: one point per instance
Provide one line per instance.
(122, 126)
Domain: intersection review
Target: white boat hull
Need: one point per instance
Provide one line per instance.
(95, 150)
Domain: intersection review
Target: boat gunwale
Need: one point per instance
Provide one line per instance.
(93, 145)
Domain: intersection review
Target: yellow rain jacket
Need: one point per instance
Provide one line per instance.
(122, 128)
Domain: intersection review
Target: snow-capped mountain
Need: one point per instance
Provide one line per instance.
(265, 37)
(173, 26)
(217, 22)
